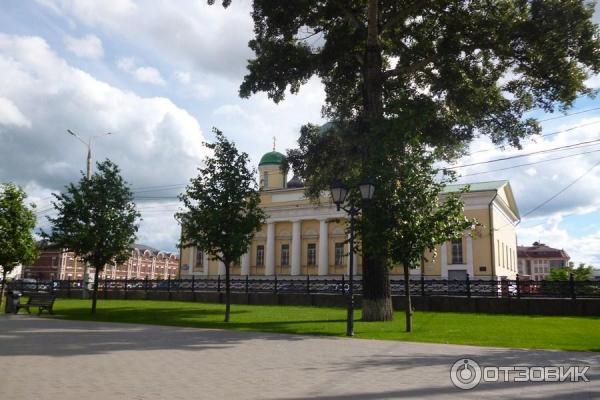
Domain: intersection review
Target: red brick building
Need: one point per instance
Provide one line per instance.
(144, 262)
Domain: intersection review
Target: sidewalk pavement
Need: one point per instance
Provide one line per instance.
(45, 358)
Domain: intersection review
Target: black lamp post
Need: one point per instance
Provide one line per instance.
(339, 192)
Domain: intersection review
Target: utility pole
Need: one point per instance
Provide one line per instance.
(85, 277)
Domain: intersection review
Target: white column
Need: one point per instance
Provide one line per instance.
(470, 269)
(444, 260)
(296, 247)
(205, 262)
(246, 263)
(323, 248)
(221, 267)
(270, 250)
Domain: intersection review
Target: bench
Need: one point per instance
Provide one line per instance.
(43, 301)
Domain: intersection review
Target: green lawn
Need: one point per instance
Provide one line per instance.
(516, 331)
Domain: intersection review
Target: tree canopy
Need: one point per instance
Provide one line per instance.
(17, 221)
(96, 218)
(222, 206)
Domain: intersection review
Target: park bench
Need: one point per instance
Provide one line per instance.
(43, 301)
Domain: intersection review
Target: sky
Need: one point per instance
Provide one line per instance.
(159, 75)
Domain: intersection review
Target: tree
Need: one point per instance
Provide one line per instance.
(222, 204)
(17, 220)
(421, 219)
(96, 220)
(581, 273)
(444, 70)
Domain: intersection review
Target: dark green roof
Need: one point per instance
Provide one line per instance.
(272, 158)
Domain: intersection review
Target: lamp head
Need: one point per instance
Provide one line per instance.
(338, 192)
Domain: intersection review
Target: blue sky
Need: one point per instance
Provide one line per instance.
(161, 74)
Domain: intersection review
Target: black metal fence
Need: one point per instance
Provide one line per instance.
(331, 285)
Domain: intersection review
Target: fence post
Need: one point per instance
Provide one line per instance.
(518, 283)
(146, 287)
(105, 287)
(37, 285)
(193, 283)
(468, 287)
(52, 286)
(125, 292)
(247, 283)
(343, 284)
(219, 283)
(422, 286)
(572, 286)
(307, 284)
(275, 288)
(69, 287)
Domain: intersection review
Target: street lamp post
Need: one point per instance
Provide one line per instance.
(88, 144)
(339, 192)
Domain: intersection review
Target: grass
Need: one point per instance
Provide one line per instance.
(513, 331)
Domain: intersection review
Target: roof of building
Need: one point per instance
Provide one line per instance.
(272, 158)
(295, 183)
(476, 186)
(541, 250)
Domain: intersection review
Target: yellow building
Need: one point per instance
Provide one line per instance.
(301, 237)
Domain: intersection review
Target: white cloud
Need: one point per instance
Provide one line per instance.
(183, 77)
(583, 248)
(89, 46)
(155, 142)
(11, 115)
(141, 74)
(189, 33)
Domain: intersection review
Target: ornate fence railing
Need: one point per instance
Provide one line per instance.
(330, 285)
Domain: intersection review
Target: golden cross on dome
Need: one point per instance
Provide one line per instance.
(274, 139)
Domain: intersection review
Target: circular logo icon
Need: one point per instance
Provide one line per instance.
(465, 374)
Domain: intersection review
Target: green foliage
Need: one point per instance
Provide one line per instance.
(96, 218)
(451, 69)
(17, 221)
(222, 204)
(581, 273)
(421, 218)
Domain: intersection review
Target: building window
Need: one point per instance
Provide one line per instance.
(457, 256)
(285, 254)
(260, 256)
(311, 254)
(265, 179)
(339, 254)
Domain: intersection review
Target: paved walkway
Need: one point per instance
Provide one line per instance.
(42, 358)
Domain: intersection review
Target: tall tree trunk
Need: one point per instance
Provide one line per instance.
(95, 293)
(2, 288)
(407, 299)
(377, 301)
(227, 292)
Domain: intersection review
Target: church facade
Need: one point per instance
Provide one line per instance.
(301, 237)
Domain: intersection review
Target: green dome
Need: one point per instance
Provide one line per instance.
(272, 158)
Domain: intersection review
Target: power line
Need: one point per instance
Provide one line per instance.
(569, 114)
(572, 128)
(561, 191)
(531, 163)
(559, 148)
